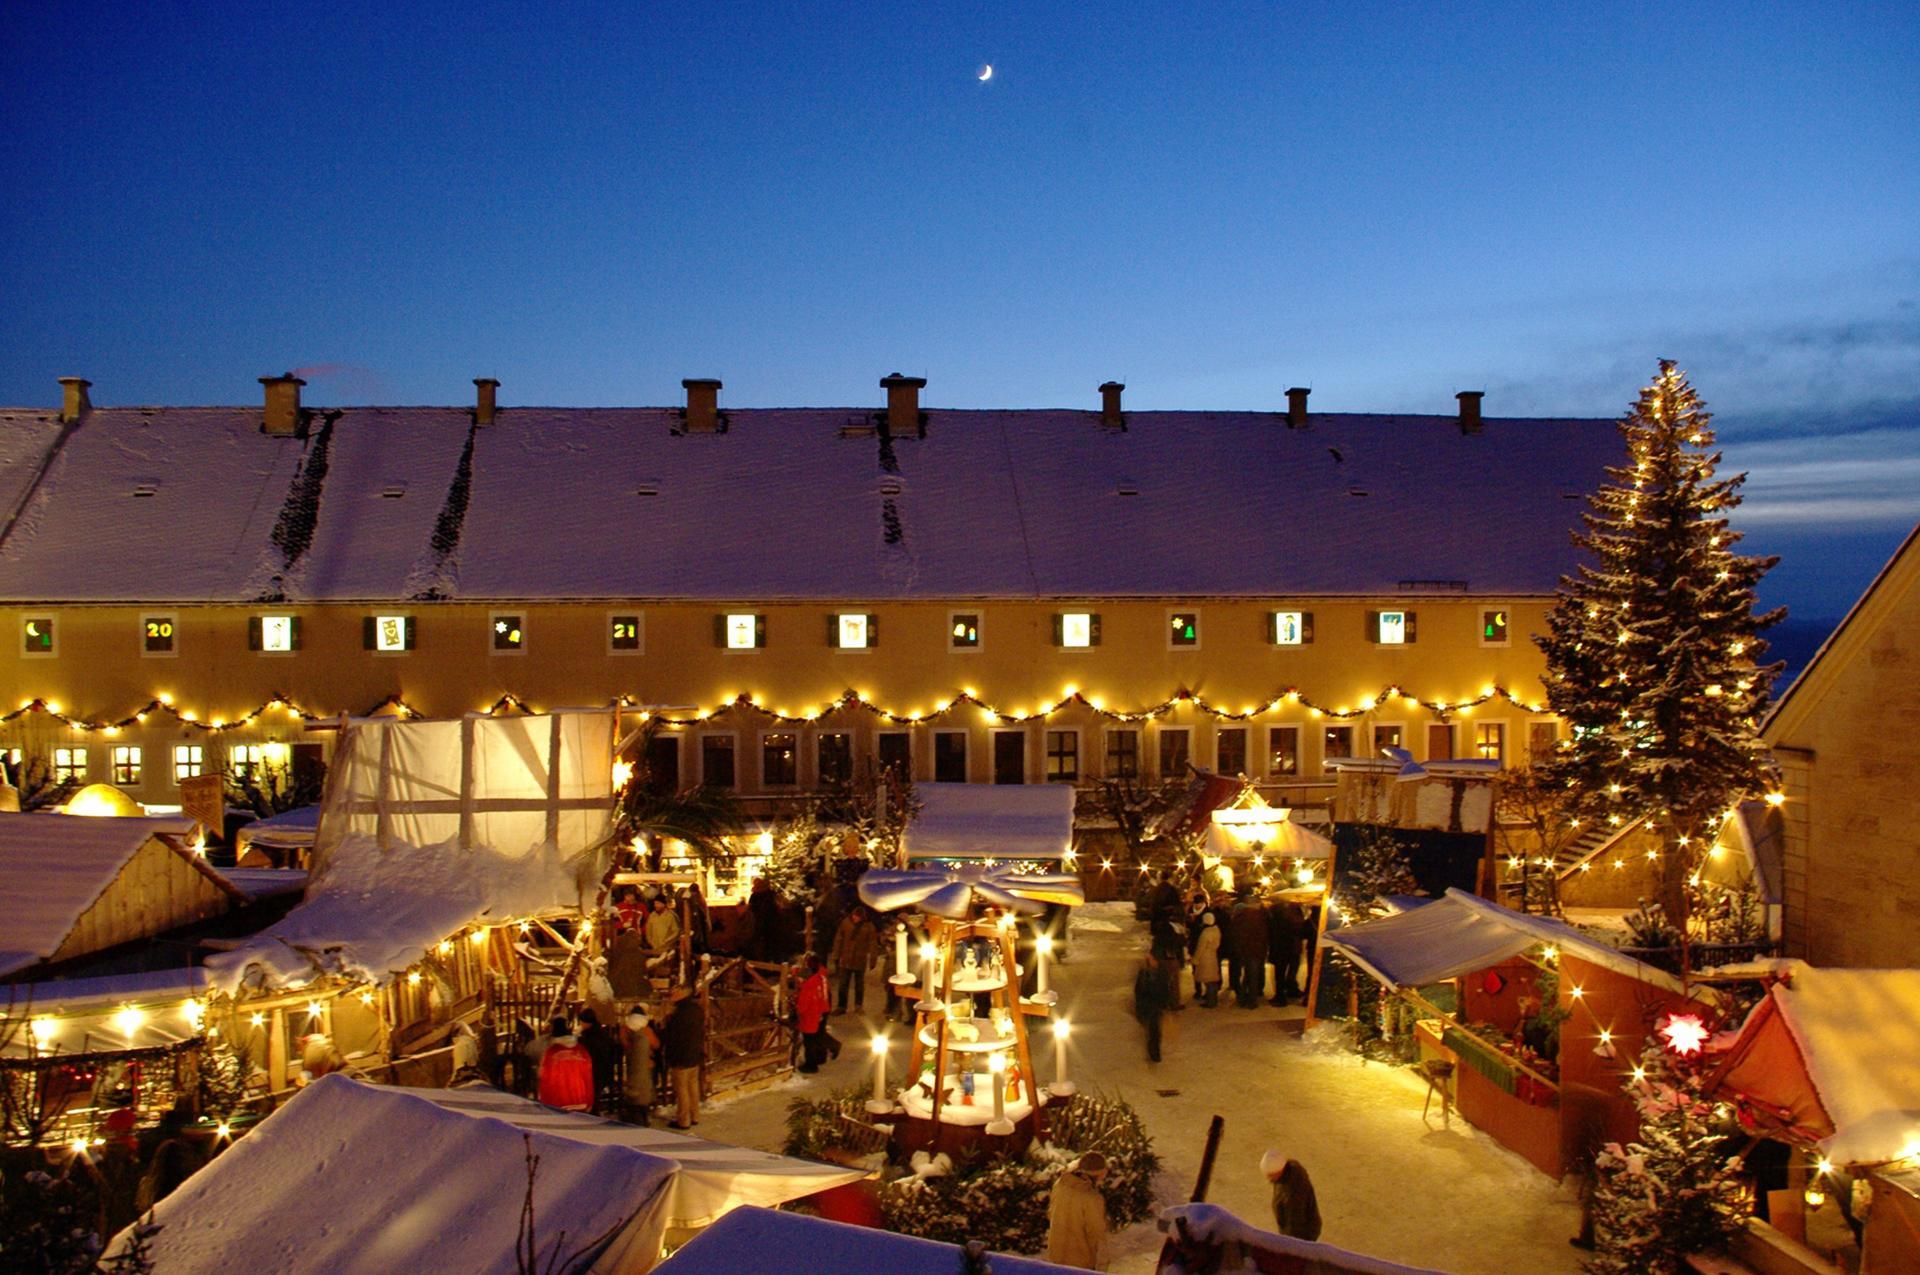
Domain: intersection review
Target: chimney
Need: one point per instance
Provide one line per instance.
(73, 398)
(903, 404)
(1469, 410)
(484, 388)
(1297, 407)
(283, 405)
(1110, 405)
(703, 404)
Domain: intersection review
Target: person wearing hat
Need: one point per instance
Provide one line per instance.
(1206, 962)
(1295, 1210)
(1077, 1215)
(639, 1041)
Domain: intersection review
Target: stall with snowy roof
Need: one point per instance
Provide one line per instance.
(969, 1065)
(745, 1239)
(1522, 1023)
(351, 1177)
(1828, 1062)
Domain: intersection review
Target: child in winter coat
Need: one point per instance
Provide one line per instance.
(1206, 963)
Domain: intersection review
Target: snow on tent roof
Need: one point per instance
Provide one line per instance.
(991, 821)
(85, 1015)
(745, 1240)
(351, 1177)
(397, 503)
(53, 868)
(391, 875)
(1214, 1226)
(1459, 933)
(1836, 1054)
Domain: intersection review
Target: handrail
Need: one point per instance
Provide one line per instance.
(1613, 840)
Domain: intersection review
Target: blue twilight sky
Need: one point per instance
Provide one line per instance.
(1209, 202)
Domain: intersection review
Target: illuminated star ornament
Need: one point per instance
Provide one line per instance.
(1685, 1034)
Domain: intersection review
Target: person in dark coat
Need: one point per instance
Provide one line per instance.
(1152, 997)
(763, 906)
(1295, 1210)
(1284, 923)
(684, 1045)
(1247, 939)
(603, 1048)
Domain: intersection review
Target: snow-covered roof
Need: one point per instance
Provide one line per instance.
(54, 867)
(1459, 933)
(197, 504)
(748, 1239)
(1856, 1037)
(991, 821)
(1216, 1228)
(351, 1177)
(90, 1015)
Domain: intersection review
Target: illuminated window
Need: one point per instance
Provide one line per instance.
(963, 631)
(623, 632)
(1183, 628)
(189, 760)
(1391, 628)
(716, 761)
(853, 631)
(1283, 750)
(1490, 740)
(69, 765)
(1230, 750)
(1493, 628)
(950, 757)
(740, 631)
(36, 635)
(156, 635)
(1291, 628)
(1123, 754)
(1063, 756)
(1336, 742)
(1386, 737)
(1076, 630)
(1174, 752)
(834, 752)
(246, 760)
(509, 633)
(779, 760)
(126, 764)
(388, 634)
(274, 634)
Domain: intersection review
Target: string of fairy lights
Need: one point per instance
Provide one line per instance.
(163, 705)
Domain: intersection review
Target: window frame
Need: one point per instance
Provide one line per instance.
(1506, 641)
(639, 619)
(1534, 757)
(493, 618)
(869, 631)
(766, 783)
(1373, 736)
(733, 746)
(966, 756)
(1219, 766)
(77, 767)
(181, 759)
(1305, 619)
(1297, 740)
(993, 751)
(1162, 733)
(1453, 741)
(257, 634)
(408, 632)
(820, 778)
(131, 767)
(1060, 642)
(1506, 738)
(158, 617)
(880, 764)
(1325, 756)
(52, 621)
(1168, 629)
(979, 632)
(1376, 627)
(1107, 753)
(723, 631)
(1047, 755)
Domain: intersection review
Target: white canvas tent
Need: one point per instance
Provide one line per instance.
(991, 821)
(751, 1239)
(351, 1177)
(428, 827)
(1460, 933)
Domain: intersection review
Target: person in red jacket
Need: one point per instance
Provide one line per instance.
(810, 1005)
(566, 1071)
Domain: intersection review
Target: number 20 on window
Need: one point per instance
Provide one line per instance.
(157, 634)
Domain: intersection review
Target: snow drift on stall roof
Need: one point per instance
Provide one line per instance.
(742, 1241)
(1217, 1230)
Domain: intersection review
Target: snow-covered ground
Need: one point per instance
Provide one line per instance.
(1388, 1185)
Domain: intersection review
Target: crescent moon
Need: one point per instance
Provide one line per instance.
(986, 73)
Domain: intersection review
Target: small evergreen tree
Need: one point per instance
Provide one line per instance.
(1674, 1190)
(223, 1081)
(1653, 648)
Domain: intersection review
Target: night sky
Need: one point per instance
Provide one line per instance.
(1385, 205)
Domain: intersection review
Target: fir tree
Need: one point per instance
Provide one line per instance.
(223, 1081)
(1653, 648)
(1674, 1190)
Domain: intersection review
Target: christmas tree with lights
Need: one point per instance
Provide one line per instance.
(1653, 648)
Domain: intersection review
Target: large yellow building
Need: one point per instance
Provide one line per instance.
(1024, 596)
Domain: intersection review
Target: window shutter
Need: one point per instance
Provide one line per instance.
(293, 634)
(368, 632)
(1410, 630)
(873, 630)
(1093, 630)
(1273, 628)
(759, 630)
(720, 630)
(833, 628)
(407, 629)
(1306, 626)
(1373, 626)
(253, 633)
(1058, 627)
